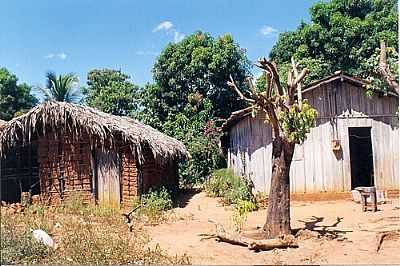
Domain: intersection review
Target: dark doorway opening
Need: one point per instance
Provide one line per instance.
(19, 173)
(361, 157)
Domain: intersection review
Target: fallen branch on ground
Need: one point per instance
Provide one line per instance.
(284, 241)
(128, 218)
(388, 234)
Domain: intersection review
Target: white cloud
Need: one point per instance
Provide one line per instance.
(61, 56)
(165, 25)
(178, 36)
(268, 30)
(170, 29)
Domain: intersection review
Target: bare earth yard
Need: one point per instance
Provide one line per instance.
(348, 235)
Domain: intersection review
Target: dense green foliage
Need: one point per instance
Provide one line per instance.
(61, 88)
(199, 64)
(190, 94)
(376, 83)
(111, 91)
(15, 98)
(195, 127)
(342, 35)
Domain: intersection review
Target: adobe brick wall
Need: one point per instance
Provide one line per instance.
(64, 155)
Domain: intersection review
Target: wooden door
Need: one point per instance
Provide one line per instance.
(108, 180)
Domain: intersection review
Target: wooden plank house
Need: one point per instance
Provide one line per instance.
(355, 141)
(60, 149)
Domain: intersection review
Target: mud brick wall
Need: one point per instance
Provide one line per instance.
(64, 156)
(129, 175)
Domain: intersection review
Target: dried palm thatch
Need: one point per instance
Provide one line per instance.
(2, 123)
(103, 129)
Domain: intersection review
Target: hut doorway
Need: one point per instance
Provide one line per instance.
(361, 157)
(19, 172)
(108, 181)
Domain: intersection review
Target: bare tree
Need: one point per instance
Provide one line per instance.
(384, 69)
(291, 119)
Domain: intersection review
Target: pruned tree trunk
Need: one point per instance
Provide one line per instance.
(280, 105)
(278, 215)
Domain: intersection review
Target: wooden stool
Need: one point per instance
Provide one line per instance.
(366, 192)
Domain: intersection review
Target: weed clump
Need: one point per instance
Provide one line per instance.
(233, 190)
(224, 183)
(154, 205)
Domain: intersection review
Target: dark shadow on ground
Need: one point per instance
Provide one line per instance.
(183, 196)
(322, 230)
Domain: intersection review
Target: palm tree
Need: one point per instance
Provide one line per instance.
(61, 88)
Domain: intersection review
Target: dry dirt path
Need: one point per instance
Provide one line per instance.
(355, 231)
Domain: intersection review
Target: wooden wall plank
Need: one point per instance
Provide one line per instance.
(108, 177)
(321, 169)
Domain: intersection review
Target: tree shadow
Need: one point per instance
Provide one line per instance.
(328, 231)
(183, 197)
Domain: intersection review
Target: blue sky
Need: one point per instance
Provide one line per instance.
(80, 35)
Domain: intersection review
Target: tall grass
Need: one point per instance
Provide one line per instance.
(84, 234)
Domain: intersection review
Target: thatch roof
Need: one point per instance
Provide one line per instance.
(101, 127)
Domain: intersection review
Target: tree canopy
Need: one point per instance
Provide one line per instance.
(342, 35)
(190, 95)
(202, 64)
(15, 98)
(111, 91)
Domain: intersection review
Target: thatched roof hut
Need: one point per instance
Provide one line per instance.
(58, 149)
(101, 127)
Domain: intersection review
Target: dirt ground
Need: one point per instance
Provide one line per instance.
(348, 234)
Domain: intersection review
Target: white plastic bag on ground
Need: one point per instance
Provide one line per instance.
(43, 237)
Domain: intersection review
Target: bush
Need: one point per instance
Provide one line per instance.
(223, 183)
(234, 190)
(242, 208)
(154, 204)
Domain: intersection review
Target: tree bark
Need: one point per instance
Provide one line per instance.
(278, 215)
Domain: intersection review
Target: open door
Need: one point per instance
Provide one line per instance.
(361, 157)
(108, 180)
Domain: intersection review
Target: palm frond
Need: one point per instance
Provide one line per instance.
(61, 88)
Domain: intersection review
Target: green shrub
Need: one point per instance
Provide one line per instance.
(154, 204)
(223, 183)
(242, 208)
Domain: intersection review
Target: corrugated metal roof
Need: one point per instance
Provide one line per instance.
(238, 115)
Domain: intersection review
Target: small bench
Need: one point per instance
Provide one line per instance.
(366, 192)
